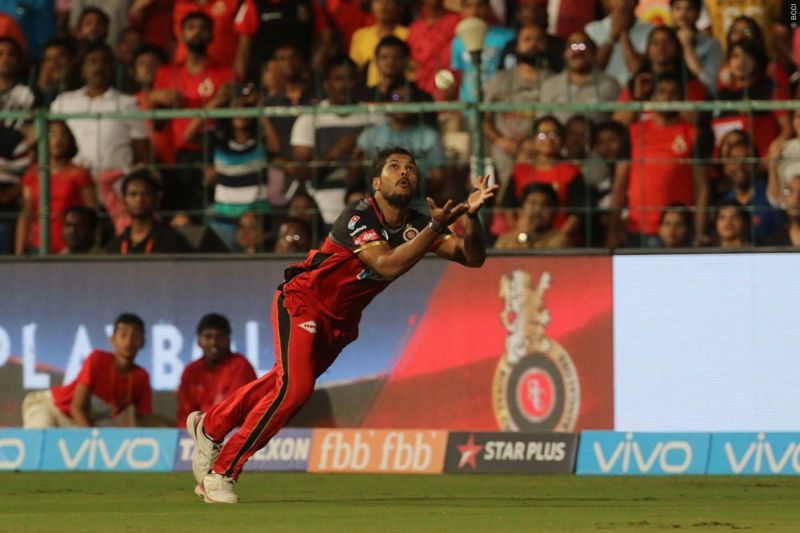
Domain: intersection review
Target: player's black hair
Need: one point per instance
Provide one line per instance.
(385, 153)
(144, 175)
(392, 41)
(94, 10)
(200, 16)
(214, 321)
(131, 320)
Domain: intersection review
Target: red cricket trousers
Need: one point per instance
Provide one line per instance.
(305, 346)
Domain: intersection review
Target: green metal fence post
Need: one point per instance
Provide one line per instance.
(43, 158)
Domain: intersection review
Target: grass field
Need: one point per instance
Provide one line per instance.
(307, 502)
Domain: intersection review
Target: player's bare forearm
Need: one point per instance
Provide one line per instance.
(391, 263)
(470, 250)
(474, 244)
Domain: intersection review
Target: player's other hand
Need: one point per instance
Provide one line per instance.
(481, 194)
(448, 213)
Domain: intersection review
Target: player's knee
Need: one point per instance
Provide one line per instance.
(300, 391)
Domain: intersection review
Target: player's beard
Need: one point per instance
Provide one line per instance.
(398, 200)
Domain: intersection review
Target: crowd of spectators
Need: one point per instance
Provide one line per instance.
(729, 177)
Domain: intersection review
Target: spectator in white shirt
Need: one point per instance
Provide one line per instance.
(105, 143)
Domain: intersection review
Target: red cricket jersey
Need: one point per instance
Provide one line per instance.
(100, 375)
(195, 90)
(656, 178)
(560, 176)
(201, 388)
(333, 279)
(66, 184)
(224, 41)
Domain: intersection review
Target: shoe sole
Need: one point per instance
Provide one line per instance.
(192, 421)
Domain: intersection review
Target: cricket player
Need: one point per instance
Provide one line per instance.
(316, 310)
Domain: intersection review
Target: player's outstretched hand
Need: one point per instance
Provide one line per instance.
(448, 213)
(481, 194)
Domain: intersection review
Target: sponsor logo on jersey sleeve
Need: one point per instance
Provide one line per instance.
(353, 221)
(365, 237)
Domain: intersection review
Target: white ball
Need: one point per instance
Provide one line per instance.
(444, 79)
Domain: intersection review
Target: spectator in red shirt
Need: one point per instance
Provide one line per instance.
(151, 17)
(219, 372)
(429, 38)
(663, 55)
(109, 390)
(749, 80)
(656, 177)
(195, 82)
(70, 185)
(146, 61)
(540, 162)
(348, 16)
(224, 46)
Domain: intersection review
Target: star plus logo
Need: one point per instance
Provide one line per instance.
(469, 453)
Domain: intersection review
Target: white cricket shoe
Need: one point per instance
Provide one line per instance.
(216, 488)
(205, 450)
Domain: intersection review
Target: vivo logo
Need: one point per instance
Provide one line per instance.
(761, 457)
(138, 453)
(12, 453)
(628, 456)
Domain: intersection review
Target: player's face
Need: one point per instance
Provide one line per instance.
(127, 340)
(398, 180)
(215, 344)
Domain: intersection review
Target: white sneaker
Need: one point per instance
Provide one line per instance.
(216, 488)
(205, 450)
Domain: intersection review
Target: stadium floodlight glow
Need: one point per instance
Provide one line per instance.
(472, 32)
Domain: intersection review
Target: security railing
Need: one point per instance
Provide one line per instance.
(471, 111)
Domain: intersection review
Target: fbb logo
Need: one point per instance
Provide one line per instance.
(357, 450)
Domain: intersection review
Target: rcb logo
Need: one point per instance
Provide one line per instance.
(535, 385)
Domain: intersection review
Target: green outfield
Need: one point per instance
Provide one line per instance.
(306, 502)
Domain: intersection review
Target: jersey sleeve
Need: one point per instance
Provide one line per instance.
(358, 227)
(88, 374)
